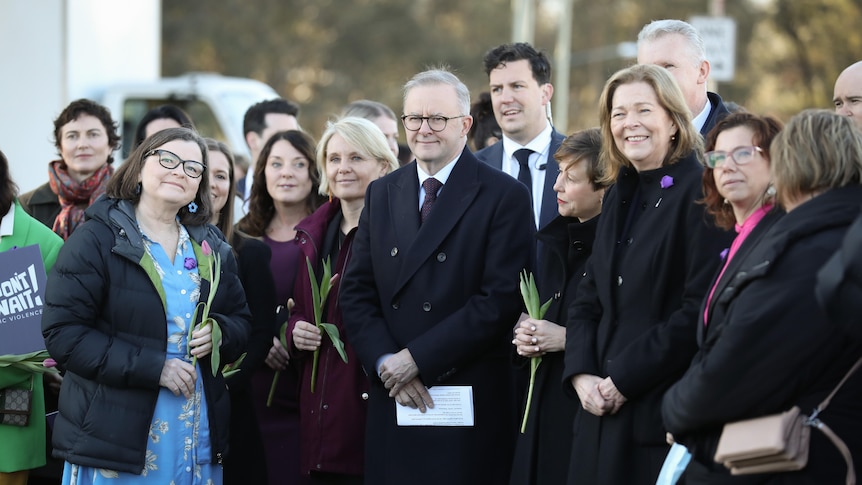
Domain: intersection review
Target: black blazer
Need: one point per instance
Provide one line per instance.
(246, 462)
(493, 156)
(447, 290)
(716, 113)
(769, 346)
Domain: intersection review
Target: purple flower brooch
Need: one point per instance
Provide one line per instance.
(190, 263)
(666, 182)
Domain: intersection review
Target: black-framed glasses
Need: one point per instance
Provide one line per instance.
(436, 123)
(740, 155)
(170, 161)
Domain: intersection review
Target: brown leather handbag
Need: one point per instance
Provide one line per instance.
(778, 442)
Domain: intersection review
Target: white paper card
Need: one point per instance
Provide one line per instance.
(453, 406)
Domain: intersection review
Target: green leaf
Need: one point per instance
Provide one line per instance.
(324, 281)
(534, 298)
(332, 331)
(314, 359)
(282, 334)
(191, 330)
(525, 293)
(215, 278)
(232, 368)
(272, 388)
(315, 291)
(544, 308)
(319, 295)
(32, 362)
(215, 356)
(530, 294)
(32, 356)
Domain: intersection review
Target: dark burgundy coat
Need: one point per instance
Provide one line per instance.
(332, 419)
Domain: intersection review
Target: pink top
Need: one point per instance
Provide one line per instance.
(742, 233)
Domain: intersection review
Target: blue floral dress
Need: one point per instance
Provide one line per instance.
(178, 445)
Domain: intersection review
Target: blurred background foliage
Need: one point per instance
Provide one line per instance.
(326, 53)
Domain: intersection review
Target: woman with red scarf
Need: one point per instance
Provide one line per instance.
(85, 136)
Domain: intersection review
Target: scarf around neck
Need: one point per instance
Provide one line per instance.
(75, 196)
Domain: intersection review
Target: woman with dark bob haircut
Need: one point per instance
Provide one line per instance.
(542, 449)
(766, 344)
(85, 136)
(123, 317)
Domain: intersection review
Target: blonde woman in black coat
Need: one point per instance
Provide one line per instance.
(631, 329)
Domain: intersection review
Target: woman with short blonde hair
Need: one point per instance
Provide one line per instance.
(352, 153)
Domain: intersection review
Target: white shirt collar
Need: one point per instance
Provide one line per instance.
(442, 175)
(701, 118)
(8, 222)
(539, 144)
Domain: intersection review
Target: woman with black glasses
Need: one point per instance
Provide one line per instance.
(143, 399)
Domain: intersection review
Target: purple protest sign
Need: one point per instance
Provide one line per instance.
(22, 296)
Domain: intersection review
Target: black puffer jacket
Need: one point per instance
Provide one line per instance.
(104, 322)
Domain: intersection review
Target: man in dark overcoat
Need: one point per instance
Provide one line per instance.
(431, 296)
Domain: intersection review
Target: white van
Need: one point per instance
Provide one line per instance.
(215, 103)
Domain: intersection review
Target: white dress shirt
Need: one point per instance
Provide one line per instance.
(541, 147)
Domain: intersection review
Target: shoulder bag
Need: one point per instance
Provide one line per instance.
(15, 405)
(778, 442)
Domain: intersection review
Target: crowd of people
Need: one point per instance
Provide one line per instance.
(329, 315)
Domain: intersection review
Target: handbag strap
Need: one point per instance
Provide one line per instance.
(842, 447)
(828, 399)
(836, 440)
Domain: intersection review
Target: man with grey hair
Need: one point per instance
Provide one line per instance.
(430, 297)
(678, 47)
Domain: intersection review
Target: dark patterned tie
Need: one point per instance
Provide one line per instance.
(523, 157)
(431, 186)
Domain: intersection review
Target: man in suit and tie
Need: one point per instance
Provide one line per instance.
(431, 295)
(521, 90)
